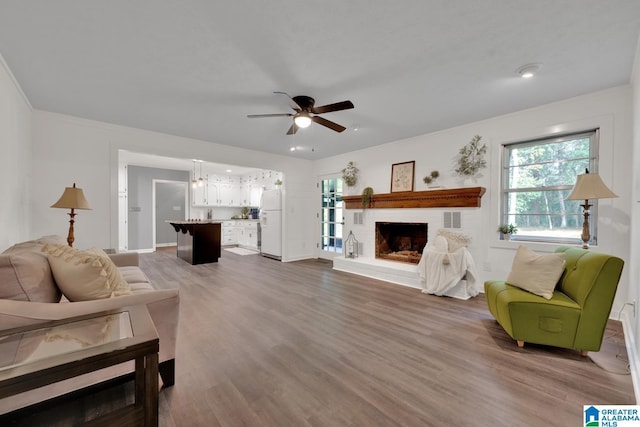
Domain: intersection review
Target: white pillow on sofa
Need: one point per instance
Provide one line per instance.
(85, 275)
(535, 273)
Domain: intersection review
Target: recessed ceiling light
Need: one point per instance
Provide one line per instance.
(292, 149)
(229, 171)
(528, 71)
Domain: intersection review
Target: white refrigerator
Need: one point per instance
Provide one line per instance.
(271, 224)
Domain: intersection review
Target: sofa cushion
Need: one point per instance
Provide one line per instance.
(26, 276)
(85, 275)
(535, 273)
(133, 274)
(35, 245)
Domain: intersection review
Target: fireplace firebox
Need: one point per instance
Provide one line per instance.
(401, 241)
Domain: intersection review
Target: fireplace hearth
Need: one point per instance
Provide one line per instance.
(401, 241)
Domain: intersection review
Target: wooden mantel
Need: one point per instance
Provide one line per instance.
(447, 198)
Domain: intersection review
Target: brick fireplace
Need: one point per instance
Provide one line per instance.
(400, 241)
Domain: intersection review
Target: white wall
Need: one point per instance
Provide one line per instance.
(15, 162)
(610, 110)
(68, 149)
(634, 268)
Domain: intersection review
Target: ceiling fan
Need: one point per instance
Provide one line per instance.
(305, 113)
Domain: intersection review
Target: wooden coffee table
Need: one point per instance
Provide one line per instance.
(48, 352)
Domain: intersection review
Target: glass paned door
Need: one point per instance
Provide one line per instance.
(331, 217)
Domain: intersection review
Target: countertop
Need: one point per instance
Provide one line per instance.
(207, 221)
(198, 221)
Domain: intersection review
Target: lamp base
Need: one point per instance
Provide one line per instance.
(586, 236)
(70, 236)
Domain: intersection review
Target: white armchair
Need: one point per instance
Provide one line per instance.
(448, 272)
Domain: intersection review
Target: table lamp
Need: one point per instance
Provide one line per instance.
(589, 186)
(72, 198)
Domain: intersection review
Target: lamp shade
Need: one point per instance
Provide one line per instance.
(72, 198)
(590, 186)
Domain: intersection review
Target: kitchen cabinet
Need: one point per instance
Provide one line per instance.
(226, 191)
(248, 236)
(242, 232)
(229, 194)
(254, 196)
(245, 195)
(199, 195)
(229, 233)
(198, 242)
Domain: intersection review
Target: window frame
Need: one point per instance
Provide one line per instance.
(336, 225)
(594, 137)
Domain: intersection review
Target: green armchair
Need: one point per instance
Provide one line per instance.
(575, 316)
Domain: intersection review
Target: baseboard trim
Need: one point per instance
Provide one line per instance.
(165, 245)
(632, 353)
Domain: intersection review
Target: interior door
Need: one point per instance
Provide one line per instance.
(331, 217)
(171, 203)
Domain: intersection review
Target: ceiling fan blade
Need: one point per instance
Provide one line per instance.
(293, 104)
(293, 129)
(328, 123)
(344, 105)
(258, 116)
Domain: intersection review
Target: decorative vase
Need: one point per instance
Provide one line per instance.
(469, 181)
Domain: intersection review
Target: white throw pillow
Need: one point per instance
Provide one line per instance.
(535, 273)
(85, 275)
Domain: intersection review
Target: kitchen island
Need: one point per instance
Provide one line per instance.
(198, 241)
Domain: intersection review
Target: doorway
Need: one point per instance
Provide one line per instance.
(331, 217)
(171, 203)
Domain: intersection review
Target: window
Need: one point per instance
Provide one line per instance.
(537, 177)
(331, 215)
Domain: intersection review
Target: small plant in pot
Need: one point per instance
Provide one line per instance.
(507, 230)
(367, 193)
(244, 212)
(430, 179)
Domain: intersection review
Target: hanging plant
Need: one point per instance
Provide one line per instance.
(471, 157)
(350, 174)
(367, 194)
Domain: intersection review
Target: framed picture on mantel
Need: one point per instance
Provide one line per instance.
(402, 176)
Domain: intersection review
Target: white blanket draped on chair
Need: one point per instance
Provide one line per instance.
(441, 271)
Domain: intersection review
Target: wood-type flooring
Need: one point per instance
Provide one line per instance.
(265, 343)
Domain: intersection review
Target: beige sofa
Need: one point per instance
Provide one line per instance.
(30, 295)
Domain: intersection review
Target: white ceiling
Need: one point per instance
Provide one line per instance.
(196, 68)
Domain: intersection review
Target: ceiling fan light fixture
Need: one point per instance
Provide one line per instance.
(302, 120)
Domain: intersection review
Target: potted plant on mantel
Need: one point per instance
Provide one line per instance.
(507, 230)
(430, 179)
(471, 160)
